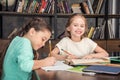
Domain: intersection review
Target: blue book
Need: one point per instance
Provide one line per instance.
(103, 69)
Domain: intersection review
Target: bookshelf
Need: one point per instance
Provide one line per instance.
(54, 22)
(110, 44)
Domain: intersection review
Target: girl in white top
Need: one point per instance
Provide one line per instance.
(76, 43)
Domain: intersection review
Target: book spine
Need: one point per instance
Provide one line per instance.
(20, 5)
(25, 6)
(43, 5)
(85, 8)
(94, 6)
(90, 7)
(99, 6)
(91, 32)
(67, 10)
(76, 8)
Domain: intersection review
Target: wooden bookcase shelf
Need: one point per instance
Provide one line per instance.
(6, 13)
(106, 43)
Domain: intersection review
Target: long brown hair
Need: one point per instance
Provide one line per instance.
(36, 23)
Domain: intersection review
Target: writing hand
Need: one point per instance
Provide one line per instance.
(90, 56)
(72, 57)
(49, 61)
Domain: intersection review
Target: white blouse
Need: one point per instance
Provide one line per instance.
(80, 49)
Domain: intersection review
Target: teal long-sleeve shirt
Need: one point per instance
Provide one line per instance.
(18, 61)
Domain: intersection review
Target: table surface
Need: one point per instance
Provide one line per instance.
(66, 75)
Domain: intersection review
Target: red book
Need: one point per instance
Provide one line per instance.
(43, 6)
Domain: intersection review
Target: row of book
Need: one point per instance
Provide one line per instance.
(99, 32)
(96, 33)
(87, 7)
(35, 6)
(62, 6)
(84, 7)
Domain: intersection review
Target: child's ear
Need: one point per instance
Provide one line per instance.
(32, 31)
(68, 28)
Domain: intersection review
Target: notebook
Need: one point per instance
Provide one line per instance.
(87, 61)
(79, 69)
(59, 65)
(115, 60)
(103, 69)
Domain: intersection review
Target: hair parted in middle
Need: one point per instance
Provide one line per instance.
(70, 20)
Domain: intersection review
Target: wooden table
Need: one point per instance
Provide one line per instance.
(65, 75)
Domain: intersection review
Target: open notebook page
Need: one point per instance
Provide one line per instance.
(59, 65)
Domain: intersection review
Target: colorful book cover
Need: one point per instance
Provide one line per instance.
(78, 69)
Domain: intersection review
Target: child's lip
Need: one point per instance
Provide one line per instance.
(79, 32)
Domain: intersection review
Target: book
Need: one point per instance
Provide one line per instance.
(94, 5)
(48, 6)
(97, 32)
(60, 7)
(76, 8)
(90, 33)
(115, 60)
(93, 61)
(84, 7)
(28, 6)
(97, 4)
(20, 6)
(67, 9)
(33, 6)
(90, 6)
(43, 6)
(79, 69)
(102, 69)
(25, 6)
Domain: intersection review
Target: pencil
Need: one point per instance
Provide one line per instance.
(50, 47)
(66, 51)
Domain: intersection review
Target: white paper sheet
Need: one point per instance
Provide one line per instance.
(59, 65)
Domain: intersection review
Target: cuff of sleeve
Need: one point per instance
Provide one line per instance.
(27, 66)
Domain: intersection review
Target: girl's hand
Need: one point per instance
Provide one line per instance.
(62, 57)
(72, 57)
(49, 61)
(90, 56)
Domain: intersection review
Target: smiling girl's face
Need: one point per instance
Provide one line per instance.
(77, 27)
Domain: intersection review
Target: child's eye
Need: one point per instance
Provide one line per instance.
(75, 25)
(82, 26)
(43, 39)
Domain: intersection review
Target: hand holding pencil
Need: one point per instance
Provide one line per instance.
(50, 47)
(66, 52)
(69, 55)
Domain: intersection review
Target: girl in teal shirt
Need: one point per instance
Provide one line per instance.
(19, 59)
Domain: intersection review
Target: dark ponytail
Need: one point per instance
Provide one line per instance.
(36, 23)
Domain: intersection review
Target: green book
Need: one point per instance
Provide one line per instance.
(78, 69)
(115, 60)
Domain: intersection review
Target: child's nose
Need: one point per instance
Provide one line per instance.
(43, 44)
(79, 27)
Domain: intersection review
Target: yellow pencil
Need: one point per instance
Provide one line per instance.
(50, 47)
